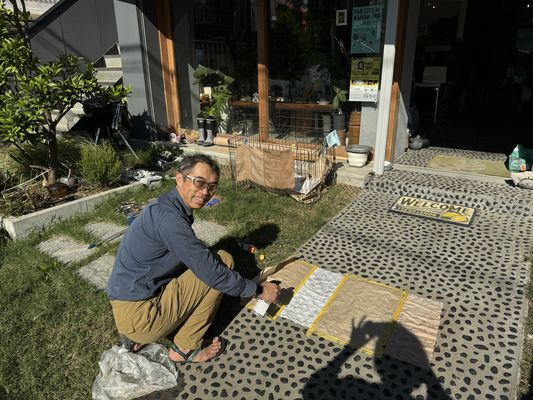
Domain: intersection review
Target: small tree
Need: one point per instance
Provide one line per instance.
(34, 96)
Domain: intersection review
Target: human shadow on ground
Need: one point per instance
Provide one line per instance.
(344, 376)
(246, 264)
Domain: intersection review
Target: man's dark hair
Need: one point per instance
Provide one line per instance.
(188, 163)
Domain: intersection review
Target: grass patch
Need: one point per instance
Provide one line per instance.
(54, 326)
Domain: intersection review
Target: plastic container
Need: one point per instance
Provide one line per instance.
(357, 155)
(250, 248)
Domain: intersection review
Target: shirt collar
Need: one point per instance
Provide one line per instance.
(179, 199)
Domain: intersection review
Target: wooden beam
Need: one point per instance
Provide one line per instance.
(398, 66)
(168, 64)
(262, 18)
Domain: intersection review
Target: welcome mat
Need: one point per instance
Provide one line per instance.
(445, 212)
(470, 165)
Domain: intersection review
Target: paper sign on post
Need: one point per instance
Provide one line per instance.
(332, 139)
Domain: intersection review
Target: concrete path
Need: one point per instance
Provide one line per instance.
(478, 272)
(67, 250)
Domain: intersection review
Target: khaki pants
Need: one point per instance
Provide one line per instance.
(185, 303)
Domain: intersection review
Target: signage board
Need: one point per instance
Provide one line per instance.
(366, 29)
(364, 79)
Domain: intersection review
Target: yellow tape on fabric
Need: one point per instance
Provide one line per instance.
(297, 288)
(323, 310)
(250, 304)
(386, 337)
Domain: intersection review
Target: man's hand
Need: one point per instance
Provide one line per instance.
(270, 292)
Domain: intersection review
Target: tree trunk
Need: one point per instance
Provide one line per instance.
(53, 158)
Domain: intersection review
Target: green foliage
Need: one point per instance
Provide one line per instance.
(299, 37)
(34, 96)
(339, 97)
(147, 158)
(219, 104)
(99, 164)
(8, 177)
(117, 94)
(221, 92)
(22, 157)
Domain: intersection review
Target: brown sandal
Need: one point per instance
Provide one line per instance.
(130, 345)
(191, 355)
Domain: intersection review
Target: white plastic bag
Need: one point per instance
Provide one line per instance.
(126, 375)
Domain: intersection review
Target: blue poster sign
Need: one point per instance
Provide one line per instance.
(366, 29)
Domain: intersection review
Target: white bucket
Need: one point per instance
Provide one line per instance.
(357, 155)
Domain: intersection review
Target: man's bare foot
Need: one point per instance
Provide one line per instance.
(136, 347)
(206, 354)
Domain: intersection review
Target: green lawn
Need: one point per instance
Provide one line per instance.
(54, 326)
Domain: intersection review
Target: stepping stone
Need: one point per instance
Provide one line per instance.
(98, 271)
(209, 232)
(104, 230)
(65, 249)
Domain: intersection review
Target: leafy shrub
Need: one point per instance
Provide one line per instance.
(21, 158)
(99, 164)
(147, 158)
(156, 156)
(8, 177)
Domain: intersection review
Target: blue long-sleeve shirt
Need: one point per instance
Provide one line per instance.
(158, 246)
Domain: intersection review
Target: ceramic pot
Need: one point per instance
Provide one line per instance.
(357, 155)
(339, 121)
(57, 190)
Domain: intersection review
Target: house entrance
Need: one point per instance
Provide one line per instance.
(473, 74)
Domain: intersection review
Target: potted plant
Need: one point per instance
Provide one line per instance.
(216, 110)
(339, 118)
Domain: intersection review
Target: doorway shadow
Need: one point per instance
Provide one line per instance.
(397, 379)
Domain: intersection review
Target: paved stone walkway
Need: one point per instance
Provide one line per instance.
(479, 272)
(103, 230)
(67, 250)
(98, 271)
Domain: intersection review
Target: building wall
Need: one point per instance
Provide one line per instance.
(141, 62)
(183, 34)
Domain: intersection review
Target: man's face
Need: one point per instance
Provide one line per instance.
(194, 187)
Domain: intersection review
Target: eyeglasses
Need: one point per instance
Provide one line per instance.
(201, 183)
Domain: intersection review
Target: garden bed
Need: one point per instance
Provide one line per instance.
(22, 226)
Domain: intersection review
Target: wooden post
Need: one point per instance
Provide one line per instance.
(168, 65)
(262, 18)
(398, 66)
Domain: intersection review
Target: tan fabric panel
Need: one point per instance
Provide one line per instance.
(291, 277)
(415, 334)
(266, 167)
(469, 165)
(360, 314)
